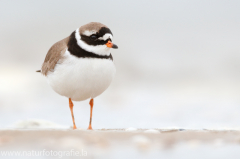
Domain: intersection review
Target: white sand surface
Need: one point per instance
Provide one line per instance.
(119, 143)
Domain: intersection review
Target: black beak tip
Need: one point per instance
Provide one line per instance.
(115, 46)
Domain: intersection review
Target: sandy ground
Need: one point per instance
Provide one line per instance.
(121, 143)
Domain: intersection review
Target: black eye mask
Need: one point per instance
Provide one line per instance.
(93, 39)
(77, 51)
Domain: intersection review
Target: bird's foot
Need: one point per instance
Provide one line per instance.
(90, 127)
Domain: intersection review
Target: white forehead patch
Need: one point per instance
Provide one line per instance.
(88, 33)
(98, 49)
(106, 36)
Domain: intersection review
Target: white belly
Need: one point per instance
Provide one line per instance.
(81, 78)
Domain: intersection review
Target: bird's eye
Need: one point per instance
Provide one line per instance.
(93, 36)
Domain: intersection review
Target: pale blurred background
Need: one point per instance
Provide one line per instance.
(178, 62)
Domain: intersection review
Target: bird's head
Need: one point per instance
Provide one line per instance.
(96, 38)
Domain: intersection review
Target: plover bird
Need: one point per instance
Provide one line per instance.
(81, 66)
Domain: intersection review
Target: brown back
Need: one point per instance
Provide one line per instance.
(53, 56)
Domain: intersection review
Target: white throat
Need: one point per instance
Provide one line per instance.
(99, 49)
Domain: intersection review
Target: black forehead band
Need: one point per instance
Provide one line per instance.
(104, 31)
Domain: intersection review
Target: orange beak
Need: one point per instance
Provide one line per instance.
(111, 45)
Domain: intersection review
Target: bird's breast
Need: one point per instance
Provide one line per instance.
(81, 78)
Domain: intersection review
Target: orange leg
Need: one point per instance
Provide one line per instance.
(91, 107)
(71, 108)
